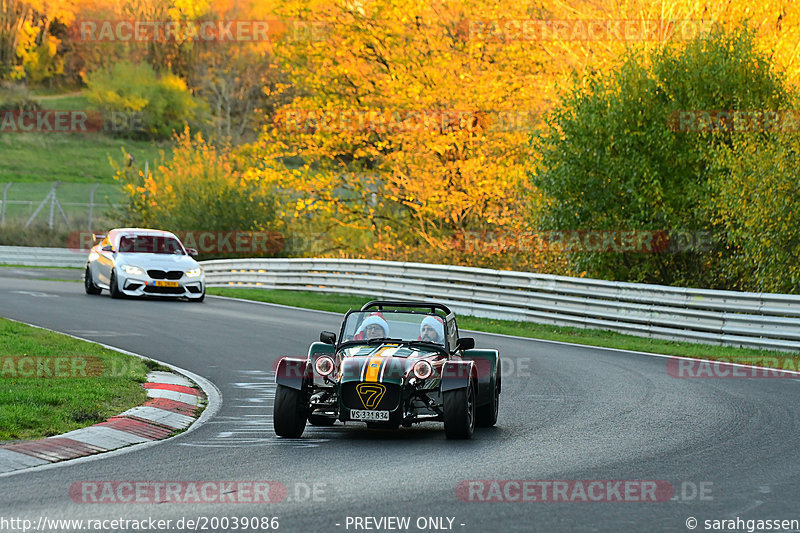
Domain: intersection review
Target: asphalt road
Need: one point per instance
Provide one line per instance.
(728, 447)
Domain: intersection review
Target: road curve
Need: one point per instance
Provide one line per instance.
(728, 447)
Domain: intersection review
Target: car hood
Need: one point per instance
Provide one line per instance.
(158, 261)
(383, 363)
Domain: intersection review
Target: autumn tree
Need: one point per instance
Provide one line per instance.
(237, 79)
(406, 136)
(196, 188)
(28, 48)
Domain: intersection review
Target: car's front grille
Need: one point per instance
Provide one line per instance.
(163, 290)
(160, 274)
(389, 401)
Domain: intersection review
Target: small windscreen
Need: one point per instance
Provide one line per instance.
(406, 326)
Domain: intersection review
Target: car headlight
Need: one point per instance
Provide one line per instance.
(324, 365)
(133, 270)
(422, 370)
(193, 273)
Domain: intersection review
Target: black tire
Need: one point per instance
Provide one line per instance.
(459, 413)
(113, 287)
(486, 415)
(88, 284)
(321, 420)
(289, 414)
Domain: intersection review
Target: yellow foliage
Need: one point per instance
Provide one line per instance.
(198, 188)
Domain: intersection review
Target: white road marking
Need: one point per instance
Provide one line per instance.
(37, 294)
(95, 333)
(249, 428)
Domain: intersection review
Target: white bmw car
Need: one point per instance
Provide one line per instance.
(144, 262)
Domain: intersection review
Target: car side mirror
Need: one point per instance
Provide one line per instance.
(465, 343)
(192, 252)
(327, 337)
(107, 248)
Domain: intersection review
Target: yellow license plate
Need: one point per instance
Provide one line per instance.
(166, 283)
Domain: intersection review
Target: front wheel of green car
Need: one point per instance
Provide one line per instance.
(289, 412)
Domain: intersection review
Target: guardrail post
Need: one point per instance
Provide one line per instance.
(91, 205)
(5, 196)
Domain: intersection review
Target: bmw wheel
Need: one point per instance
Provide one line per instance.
(113, 287)
(88, 284)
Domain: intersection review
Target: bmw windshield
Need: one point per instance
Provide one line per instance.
(150, 244)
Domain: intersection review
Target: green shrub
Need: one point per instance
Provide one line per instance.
(161, 104)
(756, 203)
(200, 188)
(612, 158)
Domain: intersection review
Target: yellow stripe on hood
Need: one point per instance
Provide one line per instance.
(376, 361)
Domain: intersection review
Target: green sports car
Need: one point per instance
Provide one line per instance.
(395, 363)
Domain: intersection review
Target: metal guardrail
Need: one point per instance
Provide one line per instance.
(53, 257)
(756, 320)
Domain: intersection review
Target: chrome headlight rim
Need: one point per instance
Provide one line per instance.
(422, 369)
(324, 366)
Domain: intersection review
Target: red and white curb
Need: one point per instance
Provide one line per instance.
(173, 405)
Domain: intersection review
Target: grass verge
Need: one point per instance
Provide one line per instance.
(52, 383)
(69, 157)
(26, 267)
(340, 303)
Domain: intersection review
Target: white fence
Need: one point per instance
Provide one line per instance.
(758, 320)
(52, 257)
(697, 315)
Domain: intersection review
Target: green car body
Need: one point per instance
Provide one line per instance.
(390, 382)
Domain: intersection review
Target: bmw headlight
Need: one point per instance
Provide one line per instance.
(132, 270)
(193, 273)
